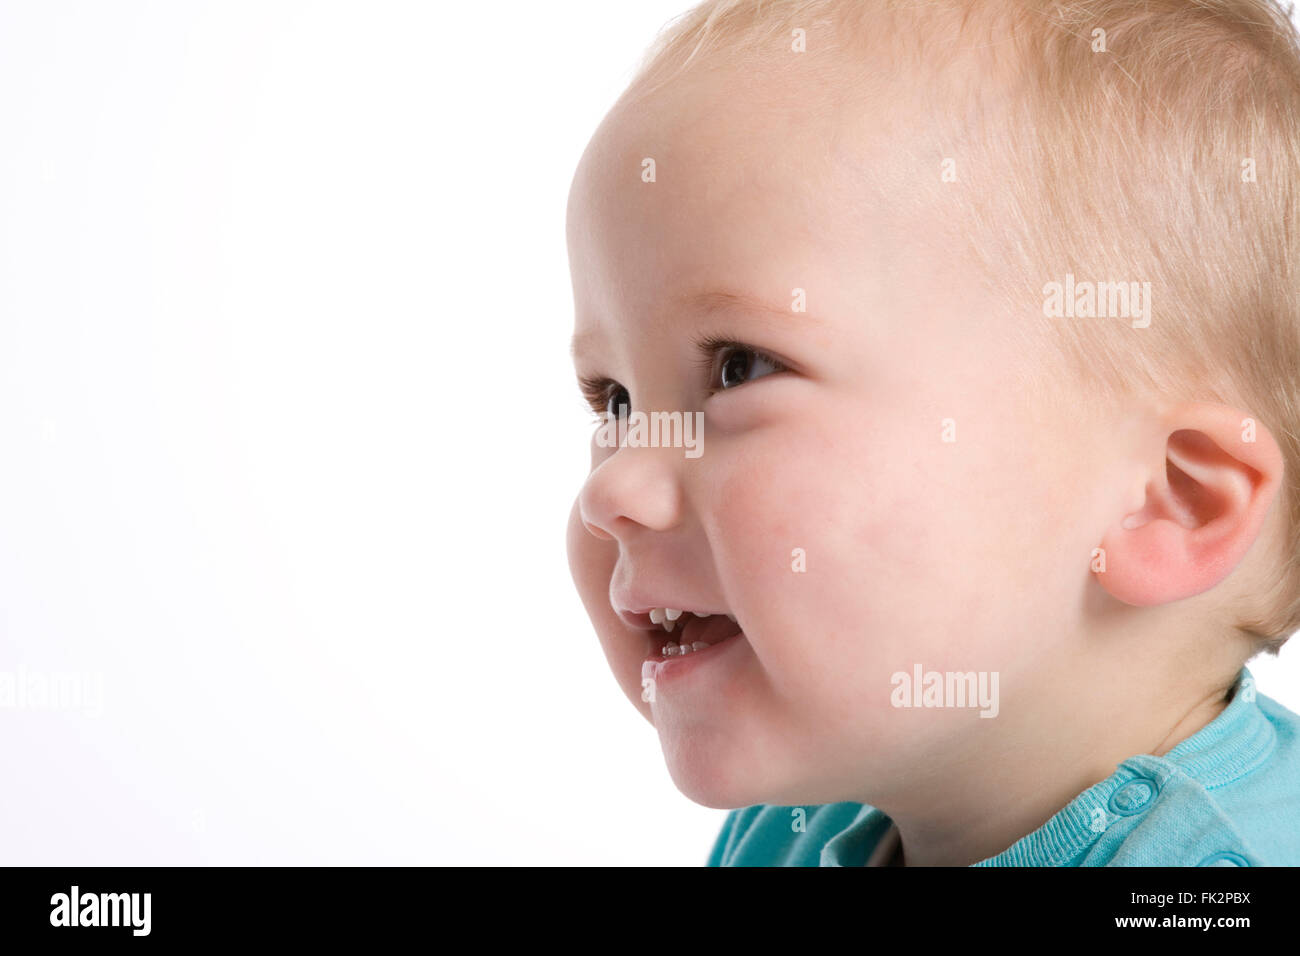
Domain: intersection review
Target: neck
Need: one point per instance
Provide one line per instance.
(991, 799)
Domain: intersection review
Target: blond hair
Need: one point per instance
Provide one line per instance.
(1164, 148)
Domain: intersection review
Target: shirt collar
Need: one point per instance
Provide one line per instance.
(1237, 741)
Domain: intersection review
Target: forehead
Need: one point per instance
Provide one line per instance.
(725, 179)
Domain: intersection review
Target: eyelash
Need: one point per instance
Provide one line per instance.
(597, 390)
(711, 346)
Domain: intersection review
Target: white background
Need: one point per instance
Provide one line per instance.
(290, 436)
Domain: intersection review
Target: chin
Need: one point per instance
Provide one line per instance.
(716, 777)
(709, 791)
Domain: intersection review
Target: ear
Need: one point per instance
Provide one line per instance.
(1207, 494)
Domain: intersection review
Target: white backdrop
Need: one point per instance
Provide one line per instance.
(290, 436)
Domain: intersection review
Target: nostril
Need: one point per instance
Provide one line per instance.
(591, 527)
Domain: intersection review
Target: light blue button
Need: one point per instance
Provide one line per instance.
(1225, 858)
(1132, 798)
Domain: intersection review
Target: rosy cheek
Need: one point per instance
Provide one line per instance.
(780, 531)
(793, 487)
(820, 543)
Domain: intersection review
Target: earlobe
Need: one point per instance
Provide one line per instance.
(1209, 490)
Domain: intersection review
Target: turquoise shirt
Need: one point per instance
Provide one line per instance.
(1229, 795)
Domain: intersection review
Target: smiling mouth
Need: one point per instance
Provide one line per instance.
(698, 634)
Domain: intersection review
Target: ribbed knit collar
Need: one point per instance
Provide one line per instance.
(1237, 741)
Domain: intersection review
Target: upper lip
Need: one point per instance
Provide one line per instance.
(641, 619)
(635, 612)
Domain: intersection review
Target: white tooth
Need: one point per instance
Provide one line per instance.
(731, 618)
(699, 646)
(672, 613)
(670, 650)
(669, 625)
(657, 615)
(698, 614)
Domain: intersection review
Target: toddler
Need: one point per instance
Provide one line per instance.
(946, 359)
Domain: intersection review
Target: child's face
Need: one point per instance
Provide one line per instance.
(961, 555)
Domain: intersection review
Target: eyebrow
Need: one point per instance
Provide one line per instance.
(776, 317)
(721, 300)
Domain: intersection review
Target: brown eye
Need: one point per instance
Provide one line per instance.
(618, 403)
(740, 365)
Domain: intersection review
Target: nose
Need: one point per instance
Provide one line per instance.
(630, 489)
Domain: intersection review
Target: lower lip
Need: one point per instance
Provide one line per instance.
(659, 668)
